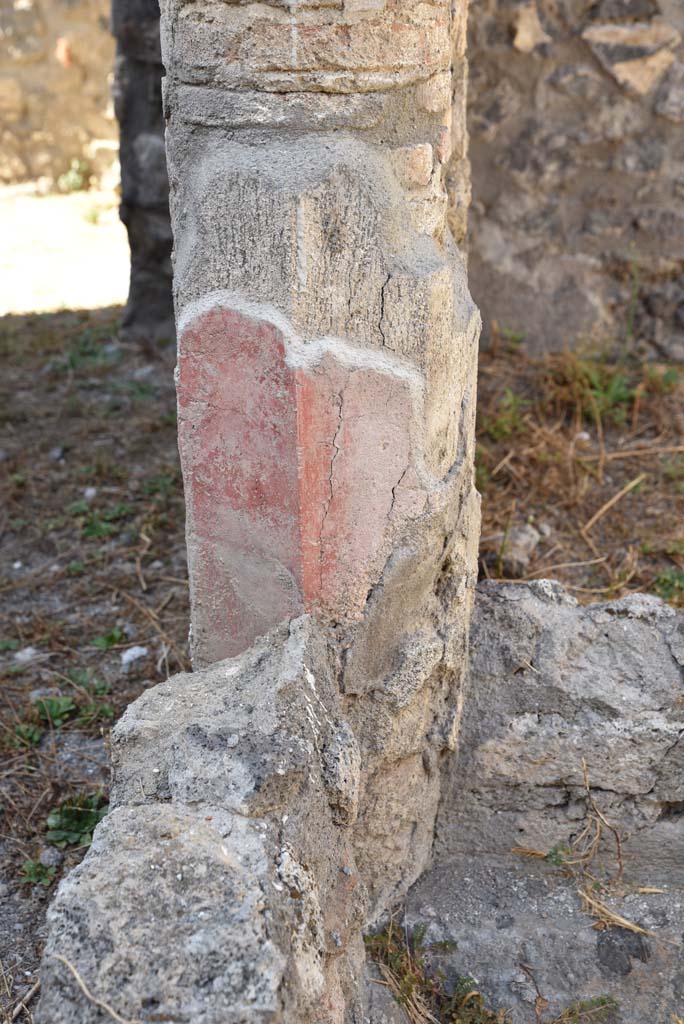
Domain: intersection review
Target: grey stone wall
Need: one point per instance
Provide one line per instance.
(554, 684)
(577, 146)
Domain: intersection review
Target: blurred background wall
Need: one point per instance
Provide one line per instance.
(56, 111)
(577, 150)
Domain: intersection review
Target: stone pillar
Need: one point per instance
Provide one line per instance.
(148, 317)
(327, 361)
(267, 809)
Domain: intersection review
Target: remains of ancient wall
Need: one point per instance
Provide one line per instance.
(55, 107)
(554, 687)
(577, 145)
(148, 317)
(273, 805)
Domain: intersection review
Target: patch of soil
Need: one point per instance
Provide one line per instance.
(93, 589)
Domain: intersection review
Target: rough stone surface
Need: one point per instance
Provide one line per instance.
(336, 270)
(55, 107)
(222, 885)
(148, 317)
(576, 114)
(553, 683)
(326, 367)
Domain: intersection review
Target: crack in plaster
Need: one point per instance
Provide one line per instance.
(382, 310)
(335, 453)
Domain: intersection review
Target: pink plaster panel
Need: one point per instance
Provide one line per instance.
(291, 479)
(238, 442)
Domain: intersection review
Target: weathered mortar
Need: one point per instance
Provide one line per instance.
(576, 119)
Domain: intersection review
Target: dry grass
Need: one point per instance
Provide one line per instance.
(409, 967)
(590, 451)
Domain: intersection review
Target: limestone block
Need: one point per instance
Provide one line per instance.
(553, 683)
(563, 683)
(220, 888)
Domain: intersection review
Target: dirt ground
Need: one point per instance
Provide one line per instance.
(580, 462)
(93, 590)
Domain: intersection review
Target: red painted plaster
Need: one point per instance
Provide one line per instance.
(289, 476)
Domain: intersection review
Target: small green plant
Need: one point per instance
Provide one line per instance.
(602, 1008)
(76, 179)
(558, 855)
(78, 508)
(514, 339)
(26, 735)
(8, 645)
(73, 822)
(601, 389)
(75, 568)
(118, 511)
(161, 485)
(35, 873)
(96, 528)
(669, 584)
(509, 419)
(110, 639)
(55, 710)
(406, 963)
(93, 711)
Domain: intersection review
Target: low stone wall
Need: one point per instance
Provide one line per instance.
(56, 59)
(577, 144)
(234, 875)
(554, 684)
(223, 886)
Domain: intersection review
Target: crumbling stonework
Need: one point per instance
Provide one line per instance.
(222, 887)
(326, 390)
(553, 683)
(55, 64)
(577, 126)
(148, 316)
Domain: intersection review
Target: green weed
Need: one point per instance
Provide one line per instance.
(73, 822)
(509, 419)
(55, 711)
(76, 179)
(35, 873)
(111, 639)
(26, 735)
(669, 584)
(417, 985)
